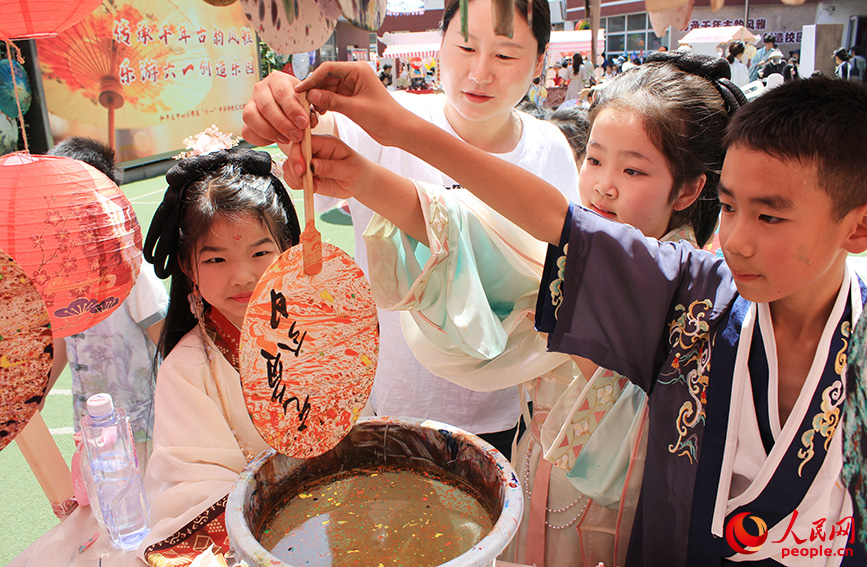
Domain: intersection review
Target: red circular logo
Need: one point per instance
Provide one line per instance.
(740, 540)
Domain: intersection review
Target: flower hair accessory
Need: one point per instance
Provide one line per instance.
(208, 141)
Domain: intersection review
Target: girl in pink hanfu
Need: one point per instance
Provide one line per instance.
(223, 220)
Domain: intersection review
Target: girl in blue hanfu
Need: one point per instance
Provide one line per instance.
(743, 359)
(469, 280)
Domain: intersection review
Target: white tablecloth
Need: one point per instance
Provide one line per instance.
(59, 546)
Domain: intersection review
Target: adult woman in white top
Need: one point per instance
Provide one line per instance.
(578, 77)
(740, 73)
(483, 78)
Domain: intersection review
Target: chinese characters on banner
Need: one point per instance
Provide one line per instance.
(757, 25)
(153, 71)
(178, 68)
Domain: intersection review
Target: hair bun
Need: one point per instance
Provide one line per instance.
(161, 243)
(194, 167)
(715, 69)
(707, 66)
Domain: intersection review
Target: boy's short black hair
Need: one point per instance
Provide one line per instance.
(528, 106)
(92, 152)
(817, 121)
(575, 125)
(769, 38)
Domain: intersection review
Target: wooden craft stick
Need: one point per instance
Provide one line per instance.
(311, 240)
(44, 458)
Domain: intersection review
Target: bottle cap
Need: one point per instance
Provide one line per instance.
(99, 405)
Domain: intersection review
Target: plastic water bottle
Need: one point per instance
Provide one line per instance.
(114, 466)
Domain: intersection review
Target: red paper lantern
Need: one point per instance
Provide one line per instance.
(33, 19)
(73, 232)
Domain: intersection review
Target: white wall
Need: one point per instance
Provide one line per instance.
(839, 13)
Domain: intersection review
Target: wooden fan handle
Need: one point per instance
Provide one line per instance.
(307, 153)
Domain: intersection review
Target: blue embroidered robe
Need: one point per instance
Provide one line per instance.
(653, 312)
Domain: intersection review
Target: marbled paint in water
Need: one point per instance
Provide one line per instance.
(376, 518)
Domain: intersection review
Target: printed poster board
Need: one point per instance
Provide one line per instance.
(170, 69)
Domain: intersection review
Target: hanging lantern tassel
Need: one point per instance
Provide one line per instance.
(465, 19)
(73, 232)
(9, 46)
(530, 15)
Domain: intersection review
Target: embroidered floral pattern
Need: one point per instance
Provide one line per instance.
(690, 363)
(855, 427)
(826, 422)
(587, 418)
(556, 287)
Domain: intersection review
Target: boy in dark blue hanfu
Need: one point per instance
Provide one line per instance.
(743, 360)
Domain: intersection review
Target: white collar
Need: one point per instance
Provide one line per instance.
(850, 291)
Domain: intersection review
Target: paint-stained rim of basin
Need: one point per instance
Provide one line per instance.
(482, 554)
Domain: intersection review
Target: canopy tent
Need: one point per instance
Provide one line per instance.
(707, 40)
(719, 35)
(411, 44)
(575, 41)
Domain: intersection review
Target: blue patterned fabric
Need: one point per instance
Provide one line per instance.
(855, 426)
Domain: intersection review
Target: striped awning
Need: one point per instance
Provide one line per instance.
(575, 41)
(409, 50)
(411, 44)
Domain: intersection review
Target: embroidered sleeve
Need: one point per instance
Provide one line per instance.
(614, 298)
(551, 288)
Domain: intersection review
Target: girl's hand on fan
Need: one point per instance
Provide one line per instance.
(275, 113)
(339, 171)
(354, 89)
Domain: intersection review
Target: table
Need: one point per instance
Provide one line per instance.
(59, 547)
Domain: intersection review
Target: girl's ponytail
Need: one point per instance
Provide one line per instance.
(735, 49)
